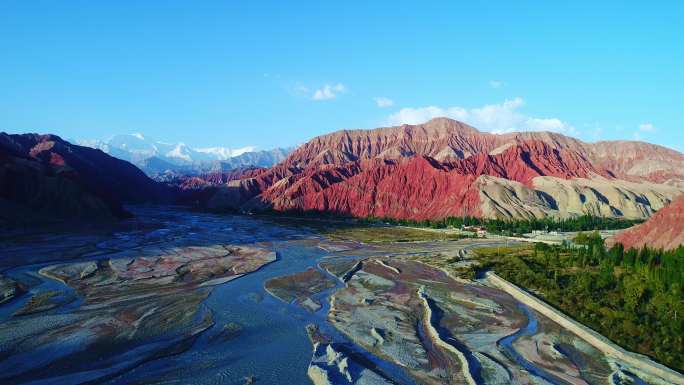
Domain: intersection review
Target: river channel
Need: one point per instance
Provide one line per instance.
(272, 346)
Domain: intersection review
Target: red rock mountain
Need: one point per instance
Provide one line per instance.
(665, 229)
(445, 167)
(44, 178)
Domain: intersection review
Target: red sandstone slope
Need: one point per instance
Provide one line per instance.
(430, 170)
(438, 138)
(445, 139)
(639, 160)
(665, 229)
(417, 187)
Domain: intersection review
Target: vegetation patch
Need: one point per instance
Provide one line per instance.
(300, 287)
(378, 234)
(633, 297)
(516, 227)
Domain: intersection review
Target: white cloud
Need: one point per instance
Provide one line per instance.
(423, 114)
(383, 102)
(329, 92)
(553, 124)
(299, 89)
(497, 118)
(647, 127)
(496, 83)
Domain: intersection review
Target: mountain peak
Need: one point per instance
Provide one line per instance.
(449, 123)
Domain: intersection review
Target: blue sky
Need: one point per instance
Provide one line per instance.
(267, 74)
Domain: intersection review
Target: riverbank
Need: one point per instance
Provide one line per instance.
(647, 367)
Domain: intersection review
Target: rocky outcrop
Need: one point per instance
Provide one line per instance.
(332, 363)
(329, 366)
(665, 229)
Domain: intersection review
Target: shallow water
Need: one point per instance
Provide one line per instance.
(273, 345)
(530, 329)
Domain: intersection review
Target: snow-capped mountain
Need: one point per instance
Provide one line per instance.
(155, 157)
(137, 147)
(223, 153)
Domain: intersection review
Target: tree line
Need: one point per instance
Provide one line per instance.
(517, 226)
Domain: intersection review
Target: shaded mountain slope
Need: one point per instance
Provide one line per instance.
(43, 177)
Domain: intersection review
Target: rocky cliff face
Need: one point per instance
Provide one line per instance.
(417, 187)
(445, 167)
(445, 139)
(44, 178)
(665, 229)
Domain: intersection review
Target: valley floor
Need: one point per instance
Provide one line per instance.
(192, 298)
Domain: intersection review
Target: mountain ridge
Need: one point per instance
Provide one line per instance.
(464, 140)
(157, 158)
(45, 178)
(532, 174)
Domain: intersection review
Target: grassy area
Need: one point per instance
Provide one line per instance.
(299, 285)
(350, 229)
(634, 301)
(375, 234)
(510, 227)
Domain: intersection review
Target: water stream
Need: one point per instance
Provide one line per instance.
(530, 329)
